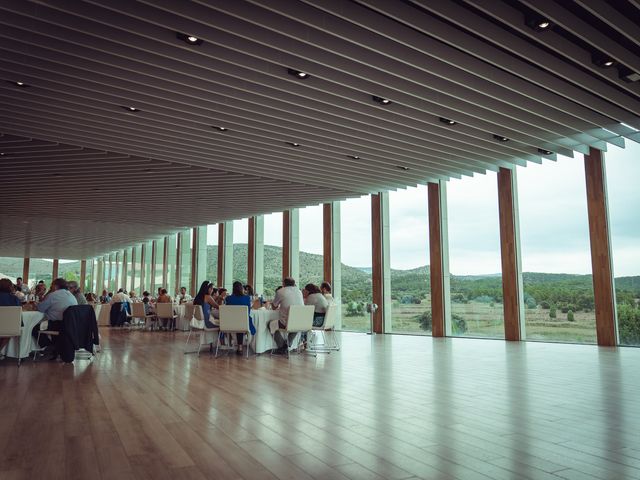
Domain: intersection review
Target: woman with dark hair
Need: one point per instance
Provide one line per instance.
(315, 297)
(7, 299)
(206, 301)
(238, 297)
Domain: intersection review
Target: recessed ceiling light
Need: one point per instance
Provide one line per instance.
(447, 121)
(298, 73)
(189, 39)
(293, 144)
(537, 22)
(402, 167)
(380, 100)
(500, 138)
(542, 151)
(130, 109)
(602, 60)
(355, 157)
(220, 129)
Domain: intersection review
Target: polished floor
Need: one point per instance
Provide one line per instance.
(395, 407)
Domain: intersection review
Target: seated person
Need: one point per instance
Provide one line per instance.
(22, 287)
(183, 296)
(104, 298)
(285, 297)
(134, 298)
(325, 288)
(206, 301)
(146, 300)
(7, 299)
(219, 300)
(165, 298)
(238, 297)
(314, 297)
(91, 298)
(53, 308)
(75, 291)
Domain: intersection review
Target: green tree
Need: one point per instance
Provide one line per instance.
(629, 324)
(425, 320)
(552, 311)
(570, 317)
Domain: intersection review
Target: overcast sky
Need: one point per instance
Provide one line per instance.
(553, 221)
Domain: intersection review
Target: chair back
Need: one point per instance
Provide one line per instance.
(164, 310)
(189, 310)
(234, 318)
(196, 312)
(300, 318)
(330, 317)
(10, 318)
(138, 310)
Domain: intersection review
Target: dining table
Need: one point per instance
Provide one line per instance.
(21, 347)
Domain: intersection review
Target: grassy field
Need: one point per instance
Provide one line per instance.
(484, 320)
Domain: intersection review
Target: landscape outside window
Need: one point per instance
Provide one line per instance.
(355, 246)
(137, 262)
(185, 258)
(310, 226)
(212, 254)
(556, 258)
(474, 257)
(623, 171)
(272, 254)
(240, 249)
(409, 260)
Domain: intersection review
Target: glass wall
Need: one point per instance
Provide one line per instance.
(474, 257)
(129, 270)
(409, 260)
(240, 249)
(623, 170)
(355, 245)
(158, 280)
(212, 253)
(272, 253)
(556, 255)
(147, 269)
(11, 268)
(186, 244)
(310, 231)
(171, 242)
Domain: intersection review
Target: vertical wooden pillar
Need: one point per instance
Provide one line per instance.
(286, 244)
(221, 250)
(435, 262)
(178, 272)
(154, 260)
(125, 261)
(195, 243)
(251, 253)
(134, 251)
(54, 271)
(83, 274)
(599, 235)
(511, 275)
(327, 242)
(377, 260)
(165, 264)
(25, 270)
(143, 259)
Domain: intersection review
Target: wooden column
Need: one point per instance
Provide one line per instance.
(286, 244)
(599, 236)
(165, 265)
(193, 283)
(327, 242)
(221, 250)
(178, 271)
(511, 278)
(251, 253)
(133, 270)
(154, 259)
(25, 270)
(377, 262)
(143, 259)
(83, 274)
(54, 271)
(436, 262)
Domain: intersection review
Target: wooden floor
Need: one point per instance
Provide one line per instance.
(394, 407)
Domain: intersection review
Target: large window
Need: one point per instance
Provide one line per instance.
(147, 268)
(311, 263)
(138, 269)
(474, 257)
(556, 258)
(11, 268)
(272, 253)
(240, 249)
(623, 171)
(212, 253)
(355, 245)
(172, 245)
(159, 264)
(409, 260)
(186, 245)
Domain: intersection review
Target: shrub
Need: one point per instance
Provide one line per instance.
(545, 305)
(570, 317)
(355, 309)
(484, 299)
(629, 324)
(425, 320)
(458, 324)
(552, 311)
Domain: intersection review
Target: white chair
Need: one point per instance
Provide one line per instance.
(188, 315)
(300, 320)
(330, 342)
(196, 324)
(234, 319)
(10, 324)
(165, 310)
(138, 313)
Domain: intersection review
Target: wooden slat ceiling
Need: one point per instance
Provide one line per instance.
(86, 176)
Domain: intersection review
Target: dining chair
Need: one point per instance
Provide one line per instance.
(328, 332)
(197, 325)
(234, 319)
(11, 324)
(300, 320)
(138, 313)
(165, 310)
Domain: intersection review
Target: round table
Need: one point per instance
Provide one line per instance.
(25, 343)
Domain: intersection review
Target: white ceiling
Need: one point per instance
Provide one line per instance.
(84, 176)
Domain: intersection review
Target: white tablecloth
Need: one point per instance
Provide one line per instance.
(262, 341)
(27, 343)
(183, 321)
(102, 313)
